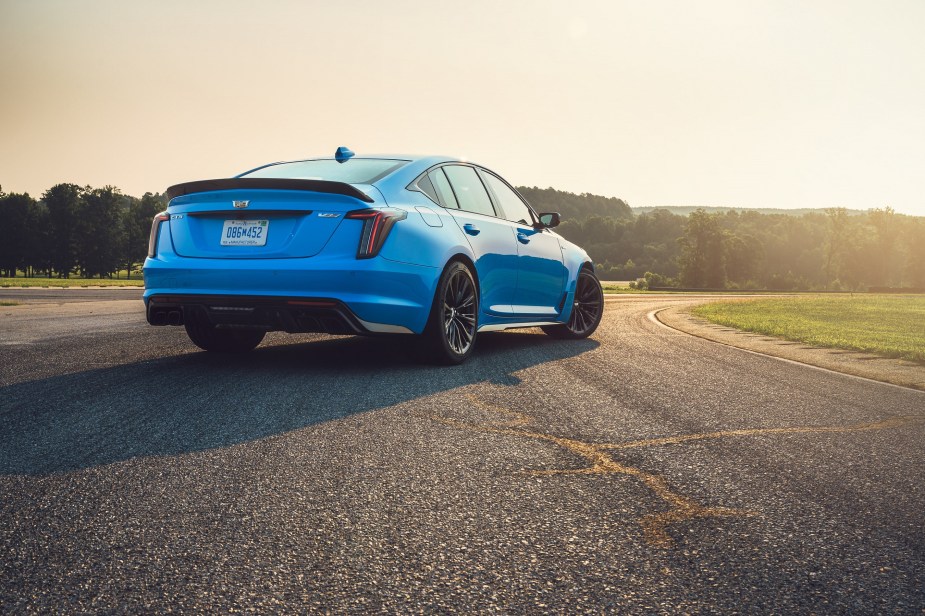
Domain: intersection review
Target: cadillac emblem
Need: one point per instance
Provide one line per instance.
(240, 204)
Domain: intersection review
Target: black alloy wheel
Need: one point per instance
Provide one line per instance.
(587, 309)
(451, 330)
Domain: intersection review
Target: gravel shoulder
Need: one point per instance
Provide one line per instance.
(865, 365)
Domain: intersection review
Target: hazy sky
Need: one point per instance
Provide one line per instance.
(738, 103)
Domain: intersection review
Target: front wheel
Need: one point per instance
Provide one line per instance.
(451, 329)
(587, 309)
(208, 338)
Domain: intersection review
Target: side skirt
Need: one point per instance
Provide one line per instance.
(500, 326)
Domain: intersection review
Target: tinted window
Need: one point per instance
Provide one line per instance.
(470, 192)
(512, 206)
(352, 171)
(428, 189)
(442, 186)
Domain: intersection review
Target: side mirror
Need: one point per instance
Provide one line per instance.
(549, 220)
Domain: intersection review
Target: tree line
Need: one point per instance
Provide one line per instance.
(75, 230)
(824, 249)
(85, 231)
(831, 249)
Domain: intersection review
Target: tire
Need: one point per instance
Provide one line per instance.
(208, 338)
(449, 336)
(587, 309)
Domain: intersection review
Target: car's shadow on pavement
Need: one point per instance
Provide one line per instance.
(201, 401)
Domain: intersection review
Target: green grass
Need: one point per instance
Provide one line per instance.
(71, 282)
(616, 289)
(8, 303)
(888, 325)
(612, 288)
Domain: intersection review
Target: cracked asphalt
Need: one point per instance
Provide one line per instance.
(640, 471)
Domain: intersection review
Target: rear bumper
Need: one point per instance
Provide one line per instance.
(286, 314)
(379, 295)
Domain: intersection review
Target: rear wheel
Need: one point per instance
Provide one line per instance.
(208, 338)
(451, 329)
(587, 309)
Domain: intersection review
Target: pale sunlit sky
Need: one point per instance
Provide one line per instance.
(725, 103)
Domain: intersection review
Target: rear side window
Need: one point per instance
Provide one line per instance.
(442, 186)
(427, 188)
(513, 206)
(470, 192)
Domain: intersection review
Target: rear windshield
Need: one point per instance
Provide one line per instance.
(351, 171)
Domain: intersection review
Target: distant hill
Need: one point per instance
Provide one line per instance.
(684, 210)
(585, 205)
(575, 207)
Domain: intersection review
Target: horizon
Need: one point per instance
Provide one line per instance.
(745, 105)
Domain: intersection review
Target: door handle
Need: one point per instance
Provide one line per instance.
(471, 229)
(523, 238)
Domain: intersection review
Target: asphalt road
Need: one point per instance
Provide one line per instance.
(642, 470)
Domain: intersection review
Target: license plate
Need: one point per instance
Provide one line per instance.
(245, 232)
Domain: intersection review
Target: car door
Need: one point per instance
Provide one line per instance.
(540, 270)
(494, 246)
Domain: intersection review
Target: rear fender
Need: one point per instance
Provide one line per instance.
(428, 236)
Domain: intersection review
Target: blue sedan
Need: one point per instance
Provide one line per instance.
(431, 246)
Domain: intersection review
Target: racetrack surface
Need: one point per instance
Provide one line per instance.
(643, 470)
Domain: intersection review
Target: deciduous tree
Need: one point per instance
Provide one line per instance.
(703, 252)
(99, 231)
(15, 212)
(63, 202)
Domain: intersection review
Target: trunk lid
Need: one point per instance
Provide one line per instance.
(283, 223)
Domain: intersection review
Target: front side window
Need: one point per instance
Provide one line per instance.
(469, 190)
(511, 204)
(351, 171)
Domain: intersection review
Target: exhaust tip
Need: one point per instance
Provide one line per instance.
(174, 317)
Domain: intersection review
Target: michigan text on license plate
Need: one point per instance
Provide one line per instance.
(245, 232)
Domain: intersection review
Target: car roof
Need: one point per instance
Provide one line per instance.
(401, 177)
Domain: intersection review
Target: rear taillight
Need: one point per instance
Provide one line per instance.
(376, 227)
(155, 230)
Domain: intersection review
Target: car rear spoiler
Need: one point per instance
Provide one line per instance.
(323, 186)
